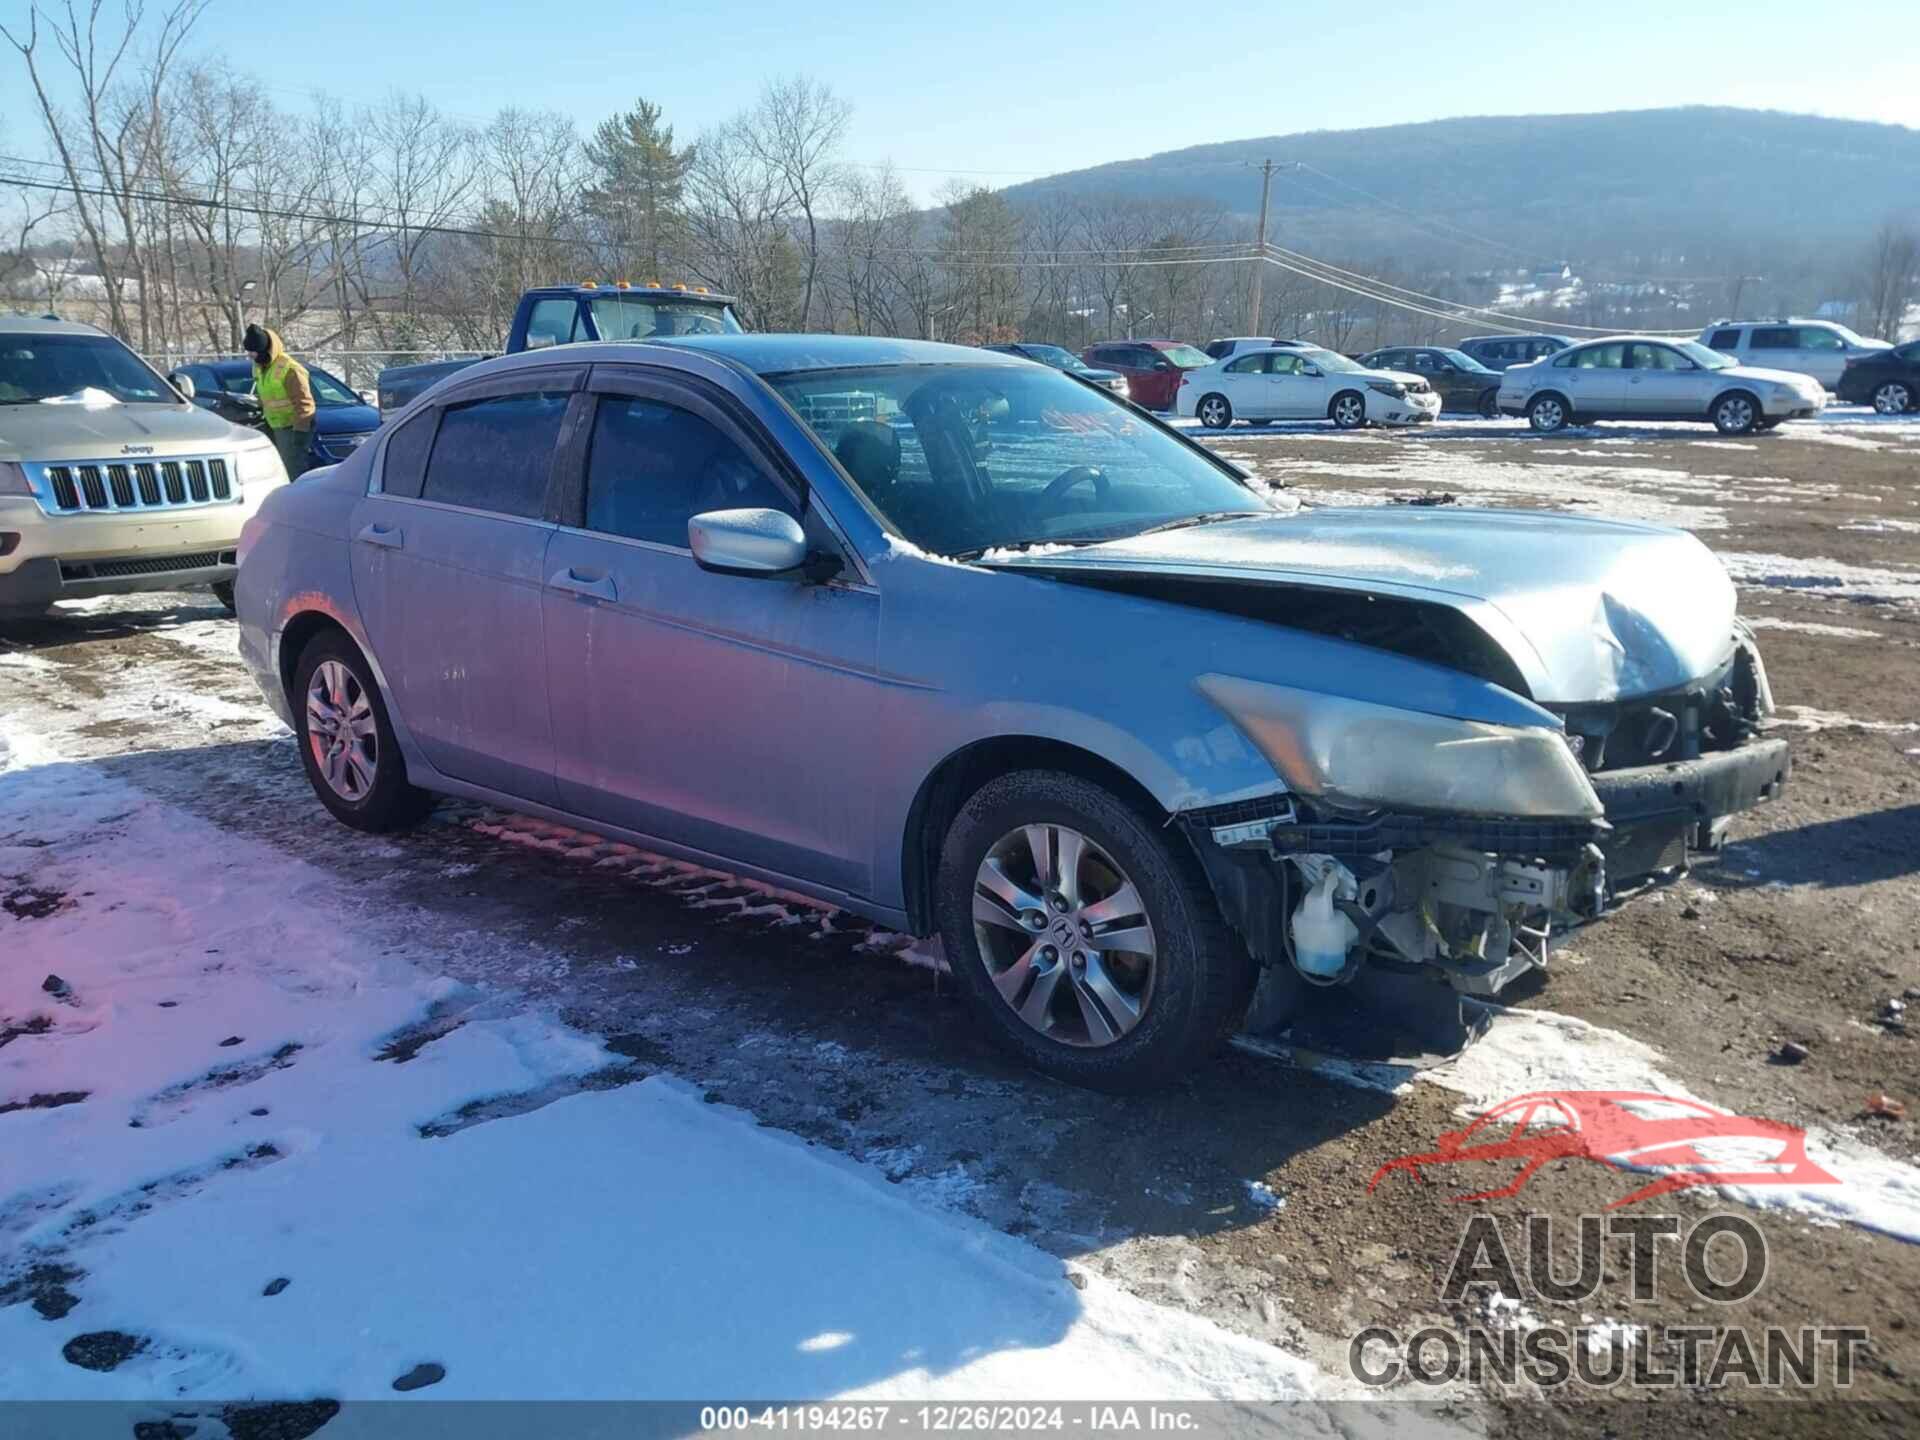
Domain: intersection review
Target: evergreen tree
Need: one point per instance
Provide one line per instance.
(639, 180)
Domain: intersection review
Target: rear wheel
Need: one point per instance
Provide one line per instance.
(1548, 413)
(1893, 398)
(1085, 938)
(1348, 410)
(223, 592)
(1736, 413)
(1214, 412)
(346, 740)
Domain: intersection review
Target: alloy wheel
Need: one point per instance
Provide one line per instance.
(1892, 398)
(341, 733)
(1349, 412)
(1548, 414)
(1213, 413)
(1064, 935)
(1735, 415)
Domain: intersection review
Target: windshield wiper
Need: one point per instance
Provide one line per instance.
(1205, 517)
(1028, 544)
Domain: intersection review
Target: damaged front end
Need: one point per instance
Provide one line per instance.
(1412, 848)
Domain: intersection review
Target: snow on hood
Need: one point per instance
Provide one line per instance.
(72, 430)
(1588, 609)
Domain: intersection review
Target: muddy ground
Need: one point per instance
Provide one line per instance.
(1243, 1194)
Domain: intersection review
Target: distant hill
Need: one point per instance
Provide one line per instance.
(1661, 186)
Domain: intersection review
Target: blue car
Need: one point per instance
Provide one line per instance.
(342, 421)
(957, 643)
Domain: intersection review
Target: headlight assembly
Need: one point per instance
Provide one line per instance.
(260, 464)
(1388, 387)
(1360, 756)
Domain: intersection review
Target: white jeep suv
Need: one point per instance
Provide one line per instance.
(110, 480)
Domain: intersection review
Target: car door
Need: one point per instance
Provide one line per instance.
(731, 715)
(1594, 377)
(1774, 347)
(448, 556)
(1246, 384)
(1822, 354)
(1661, 382)
(1297, 389)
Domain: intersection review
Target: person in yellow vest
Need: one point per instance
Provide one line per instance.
(285, 394)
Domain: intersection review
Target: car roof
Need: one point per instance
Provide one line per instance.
(45, 325)
(644, 292)
(763, 354)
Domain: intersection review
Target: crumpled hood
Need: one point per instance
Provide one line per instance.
(1588, 610)
(52, 434)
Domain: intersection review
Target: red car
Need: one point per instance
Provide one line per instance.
(1625, 1130)
(1152, 367)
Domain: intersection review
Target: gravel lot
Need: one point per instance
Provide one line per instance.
(1243, 1195)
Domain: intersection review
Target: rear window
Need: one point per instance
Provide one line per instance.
(494, 454)
(1725, 340)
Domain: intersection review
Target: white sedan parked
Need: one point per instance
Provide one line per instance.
(1303, 384)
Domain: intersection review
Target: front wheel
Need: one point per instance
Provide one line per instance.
(1490, 405)
(1214, 412)
(346, 740)
(1736, 414)
(1893, 398)
(1548, 413)
(1084, 937)
(223, 592)
(1349, 410)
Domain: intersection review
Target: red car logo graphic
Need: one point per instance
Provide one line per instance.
(1683, 1142)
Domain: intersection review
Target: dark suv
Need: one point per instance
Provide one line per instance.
(1497, 352)
(1464, 384)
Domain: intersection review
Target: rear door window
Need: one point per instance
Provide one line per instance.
(495, 454)
(652, 467)
(1774, 337)
(1255, 364)
(405, 464)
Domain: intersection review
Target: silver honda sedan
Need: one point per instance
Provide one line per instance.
(967, 646)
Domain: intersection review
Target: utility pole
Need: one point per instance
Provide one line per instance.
(1267, 167)
(1260, 248)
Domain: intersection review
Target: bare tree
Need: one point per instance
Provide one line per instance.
(423, 171)
(106, 149)
(1892, 278)
(795, 132)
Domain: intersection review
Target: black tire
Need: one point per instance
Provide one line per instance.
(1215, 411)
(1548, 413)
(1348, 417)
(1490, 405)
(1895, 397)
(389, 802)
(223, 592)
(1763, 426)
(1201, 978)
(1736, 413)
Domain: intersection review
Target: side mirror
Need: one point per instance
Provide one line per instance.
(369, 397)
(1163, 364)
(183, 382)
(759, 543)
(1313, 370)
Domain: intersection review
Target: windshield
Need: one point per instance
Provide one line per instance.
(962, 459)
(1330, 361)
(1187, 357)
(47, 367)
(635, 317)
(1055, 356)
(329, 393)
(1466, 362)
(1703, 357)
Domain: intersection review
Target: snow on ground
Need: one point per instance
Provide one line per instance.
(1811, 627)
(1832, 579)
(1531, 1050)
(242, 1078)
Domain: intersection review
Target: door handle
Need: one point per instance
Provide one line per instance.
(591, 587)
(387, 536)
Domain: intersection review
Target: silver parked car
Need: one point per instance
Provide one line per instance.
(964, 646)
(1637, 377)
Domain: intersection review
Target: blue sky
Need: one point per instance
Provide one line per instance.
(1006, 90)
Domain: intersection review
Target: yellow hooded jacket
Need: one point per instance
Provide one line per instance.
(282, 387)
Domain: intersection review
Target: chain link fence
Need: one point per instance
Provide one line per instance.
(359, 370)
